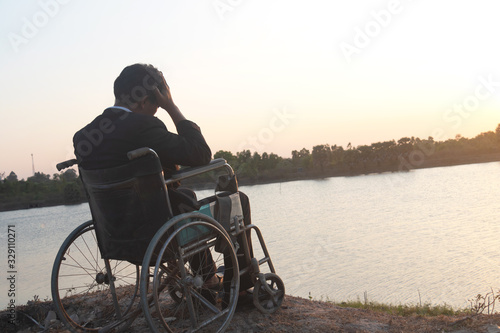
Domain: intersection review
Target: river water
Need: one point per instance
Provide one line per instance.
(428, 236)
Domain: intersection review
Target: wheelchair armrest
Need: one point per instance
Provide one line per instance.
(194, 171)
(140, 152)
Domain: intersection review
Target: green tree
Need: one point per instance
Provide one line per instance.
(284, 166)
(244, 156)
(337, 154)
(269, 161)
(404, 141)
(365, 155)
(72, 193)
(256, 162)
(321, 156)
(301, 159)
(484, 142)
(12, 177)
(351, 159)
(70, 175)
(39, 177)
(227, 155)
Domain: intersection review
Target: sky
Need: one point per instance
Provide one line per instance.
(268, 76)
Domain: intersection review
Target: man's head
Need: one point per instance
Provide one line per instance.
(135, 86)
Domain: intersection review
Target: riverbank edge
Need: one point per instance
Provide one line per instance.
(295, 315)
(408, 167)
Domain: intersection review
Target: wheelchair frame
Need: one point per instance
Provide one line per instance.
(161, 283)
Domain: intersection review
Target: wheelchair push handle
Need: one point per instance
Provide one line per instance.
(131, 155)
(66, 164)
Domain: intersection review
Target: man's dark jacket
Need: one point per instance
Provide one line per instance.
(104, 142)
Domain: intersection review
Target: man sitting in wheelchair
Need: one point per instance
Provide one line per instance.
(130, 124)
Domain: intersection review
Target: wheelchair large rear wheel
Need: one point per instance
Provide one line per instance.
(92, 294)
(177, 289)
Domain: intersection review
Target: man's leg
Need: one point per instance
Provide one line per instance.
(183, 200)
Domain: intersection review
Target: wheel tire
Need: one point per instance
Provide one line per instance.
(85, 286)
(180, 301)
(268, 301)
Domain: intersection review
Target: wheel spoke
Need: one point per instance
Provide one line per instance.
(71, 276)
(186, 304)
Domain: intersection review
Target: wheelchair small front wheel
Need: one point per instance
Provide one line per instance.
(268, 295)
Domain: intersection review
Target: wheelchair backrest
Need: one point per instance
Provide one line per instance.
(129, 203)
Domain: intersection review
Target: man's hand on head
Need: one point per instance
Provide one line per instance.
(163, 96)
(165, 101)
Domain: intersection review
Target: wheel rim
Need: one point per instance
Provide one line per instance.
(82, 289)
(182, 302)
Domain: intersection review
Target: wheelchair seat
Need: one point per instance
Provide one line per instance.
(128, 203)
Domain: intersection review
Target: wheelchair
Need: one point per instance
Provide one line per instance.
(134, 257)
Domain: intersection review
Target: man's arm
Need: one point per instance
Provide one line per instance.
(188, 147)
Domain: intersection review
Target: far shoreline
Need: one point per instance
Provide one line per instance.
(427, 164)
(301, 175)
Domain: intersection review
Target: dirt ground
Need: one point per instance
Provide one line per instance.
(295, 315)
(302, 315)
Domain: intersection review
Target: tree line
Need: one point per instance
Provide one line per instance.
(327, 160)
(323, 160)
(40, 190)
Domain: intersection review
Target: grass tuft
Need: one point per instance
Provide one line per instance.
(403, 310)
(420, 309)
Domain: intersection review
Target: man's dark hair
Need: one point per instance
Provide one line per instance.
(136, 81)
